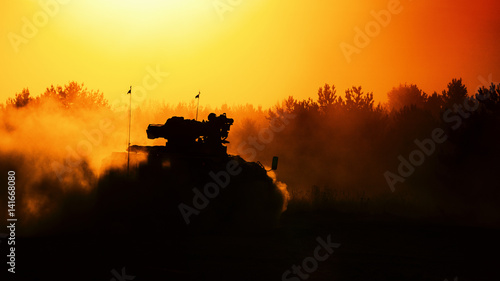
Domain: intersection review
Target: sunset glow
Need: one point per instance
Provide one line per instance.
(237, 52)
(250, 139)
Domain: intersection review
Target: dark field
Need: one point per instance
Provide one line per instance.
(372, 248)
(403, 202)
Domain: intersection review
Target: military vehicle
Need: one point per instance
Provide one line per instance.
(188, 139)
(191, 181)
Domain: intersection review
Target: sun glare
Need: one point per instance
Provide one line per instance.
(144, 7)
(142, 19)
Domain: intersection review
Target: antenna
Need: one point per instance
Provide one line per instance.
(129, 125)
(197, 107)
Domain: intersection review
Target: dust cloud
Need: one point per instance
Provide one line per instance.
(334, 154)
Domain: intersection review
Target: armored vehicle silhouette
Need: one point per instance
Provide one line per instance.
(188, 138)
(191, 181)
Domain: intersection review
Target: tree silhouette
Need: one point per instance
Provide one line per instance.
(327, 97)
(455, 93)
(357, 100)
(434, 104)
(406, 95)
(20, 100)
(489, 97)
(71, 96)
(74, 95)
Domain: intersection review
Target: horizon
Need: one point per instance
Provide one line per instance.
(137, 103)
(247, 52)
(221, 139)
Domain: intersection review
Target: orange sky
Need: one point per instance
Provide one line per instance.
(255, 51)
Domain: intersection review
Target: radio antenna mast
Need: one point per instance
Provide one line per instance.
(129, 125)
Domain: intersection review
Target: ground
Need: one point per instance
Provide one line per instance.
(372, 248)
